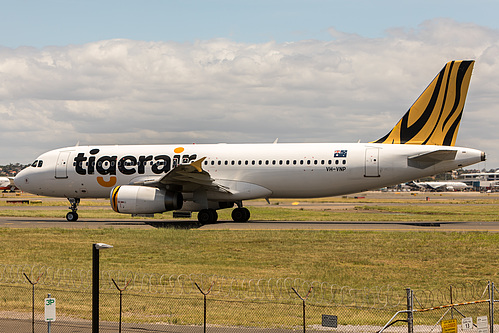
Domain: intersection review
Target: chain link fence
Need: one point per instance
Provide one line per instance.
(133, 302)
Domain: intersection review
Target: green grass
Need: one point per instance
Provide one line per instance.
(414, 212)
(357, 259)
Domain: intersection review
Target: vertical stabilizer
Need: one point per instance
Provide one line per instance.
(434, 118)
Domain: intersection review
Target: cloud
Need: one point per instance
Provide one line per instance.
(348, 89)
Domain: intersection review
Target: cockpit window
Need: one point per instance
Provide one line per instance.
(40, 163)
(34, 164)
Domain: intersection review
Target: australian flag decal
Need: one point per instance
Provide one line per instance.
(340, 153)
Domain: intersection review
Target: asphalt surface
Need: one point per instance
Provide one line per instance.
(22, 222)
(392, 198)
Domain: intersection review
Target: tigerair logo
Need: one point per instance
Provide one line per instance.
(107, 167)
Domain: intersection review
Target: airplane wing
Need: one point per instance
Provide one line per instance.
(190, 177)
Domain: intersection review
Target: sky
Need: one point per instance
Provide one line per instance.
(158, 72)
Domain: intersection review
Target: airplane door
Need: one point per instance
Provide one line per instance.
(371, 166)
(61, 167)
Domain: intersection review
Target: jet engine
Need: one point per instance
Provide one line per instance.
(130, 199)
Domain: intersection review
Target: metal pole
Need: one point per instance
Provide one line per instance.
(121, 290)
(121, 308)
(303, 300)
(49, 323)
(33, 309)
(451, 302)
(204, 325)
(491, 307)
(304, 320)
(204, 294)
(410, 317)
(32, 300)
(95, 289)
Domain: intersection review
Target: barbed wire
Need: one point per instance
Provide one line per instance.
(456, 293)
(277, 289)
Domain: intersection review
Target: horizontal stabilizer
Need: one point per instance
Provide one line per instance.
(425, 160)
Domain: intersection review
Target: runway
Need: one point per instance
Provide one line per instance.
(23, 222)
(344, 205)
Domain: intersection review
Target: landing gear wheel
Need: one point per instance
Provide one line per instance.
(207, 216)
(241, 214)
(72, 216)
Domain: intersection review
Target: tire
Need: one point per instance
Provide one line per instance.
(207, 216)
(72, 216)
(241, 215)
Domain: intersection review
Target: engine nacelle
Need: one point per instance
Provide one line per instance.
(130, 199)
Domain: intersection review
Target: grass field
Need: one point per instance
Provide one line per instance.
(357, 259)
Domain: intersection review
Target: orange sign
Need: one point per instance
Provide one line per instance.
(449, 326)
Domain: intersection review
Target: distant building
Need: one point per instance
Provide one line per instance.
(482, 180)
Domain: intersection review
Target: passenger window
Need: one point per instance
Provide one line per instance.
(344, 161)
(337, 162)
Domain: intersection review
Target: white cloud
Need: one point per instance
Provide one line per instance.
(126, 91)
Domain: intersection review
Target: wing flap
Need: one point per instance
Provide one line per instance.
(189, 177)
(192, 177)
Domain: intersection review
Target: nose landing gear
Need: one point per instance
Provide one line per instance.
(72, 216)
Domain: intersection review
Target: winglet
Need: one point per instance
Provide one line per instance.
(197, 164)
(435, 116)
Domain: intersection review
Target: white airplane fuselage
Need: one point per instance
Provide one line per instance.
(249, 170)
(5, 183)
(152, 179)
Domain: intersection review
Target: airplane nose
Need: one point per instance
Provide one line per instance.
(21, 180)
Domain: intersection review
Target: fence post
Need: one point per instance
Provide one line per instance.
(32, 300)
(204, 295)
(121, 290)
(491, 306)
(303, 300)
(410, 317)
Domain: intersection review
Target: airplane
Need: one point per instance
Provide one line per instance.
(7, 184)
(439, 186)
(203, 178)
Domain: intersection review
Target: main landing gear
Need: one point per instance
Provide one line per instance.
(72, 216)
(207, 216)
(241, 214)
